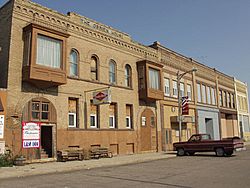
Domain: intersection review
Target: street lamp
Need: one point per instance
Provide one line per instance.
(179, 76)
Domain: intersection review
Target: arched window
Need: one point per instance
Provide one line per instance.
(128, 76)
(112, 72)
(94, 68)
(74, 63)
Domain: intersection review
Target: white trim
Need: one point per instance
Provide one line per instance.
(95, 118)
(128, 127)
(74, 114)
(112, 116)
(166, 87)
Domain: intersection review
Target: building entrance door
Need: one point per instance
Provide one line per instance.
(46, 141)
(148, 131)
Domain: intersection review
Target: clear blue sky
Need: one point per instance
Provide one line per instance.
(214, 32)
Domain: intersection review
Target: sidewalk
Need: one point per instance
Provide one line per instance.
(55, 167)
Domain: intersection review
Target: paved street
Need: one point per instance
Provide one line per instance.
(180, 172)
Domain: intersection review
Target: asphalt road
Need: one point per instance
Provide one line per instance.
(199, 171)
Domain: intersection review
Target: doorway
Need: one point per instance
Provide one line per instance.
(209, 127)
(148, 131)
(46, 140)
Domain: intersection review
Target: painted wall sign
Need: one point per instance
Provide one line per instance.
(31, 134)
(1, 125)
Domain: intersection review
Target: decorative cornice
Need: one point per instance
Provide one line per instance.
(46, 17)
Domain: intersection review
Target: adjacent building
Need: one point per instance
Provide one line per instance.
(242, 109)
(55, 68)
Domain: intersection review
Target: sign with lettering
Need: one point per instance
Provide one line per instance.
(101, 27)
(31, 143)
(102, 97)
(31, 134)
(2, 147)
(1, 125)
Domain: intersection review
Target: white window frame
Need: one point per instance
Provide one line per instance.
(129, 120)
(112, 116)
(189, 91)
(166, 87)
(74, 114)
(182, 89)
(208, 95)
(213, 96)
(204, 93)
(199, 98)
(175, 89)
(95, 118)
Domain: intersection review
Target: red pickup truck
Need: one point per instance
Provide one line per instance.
(204, 143)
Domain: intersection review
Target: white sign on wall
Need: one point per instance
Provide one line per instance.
(143, 121)
(31, 134)
(1, 125)
(2, 147)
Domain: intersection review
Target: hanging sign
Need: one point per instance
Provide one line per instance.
(1, 125)
(102, 97)
(31, 134)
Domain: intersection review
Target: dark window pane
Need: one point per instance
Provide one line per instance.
(45, 107)
(35, 106)
(35, 115)
(45, 115)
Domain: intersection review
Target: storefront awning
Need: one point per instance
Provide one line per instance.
(185, 119)
(1, 106)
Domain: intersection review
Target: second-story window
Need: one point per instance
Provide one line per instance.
(112, 72)
(204, 96)
(182, 92)
(49, 52)
(229, 100)
(225, 99)
(73, 63)
(189, 91)
(233, 103)
(213, 96)
(198, 92)
(208, 95)
(175, 89)
(94, 68)
(221, 98)
(154, 79)
(166, 87)
(128, 76)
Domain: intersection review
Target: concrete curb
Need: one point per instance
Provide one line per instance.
(59, 167)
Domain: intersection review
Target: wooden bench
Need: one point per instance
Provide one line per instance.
(72, 153)
(99, 152)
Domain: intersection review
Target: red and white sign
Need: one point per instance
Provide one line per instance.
(102, 97)
(185, 106)
(31, 132)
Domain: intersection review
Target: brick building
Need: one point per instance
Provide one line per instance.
(52, 64)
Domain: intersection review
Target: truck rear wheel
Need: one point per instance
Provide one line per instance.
(219, 152)
(180, 152)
